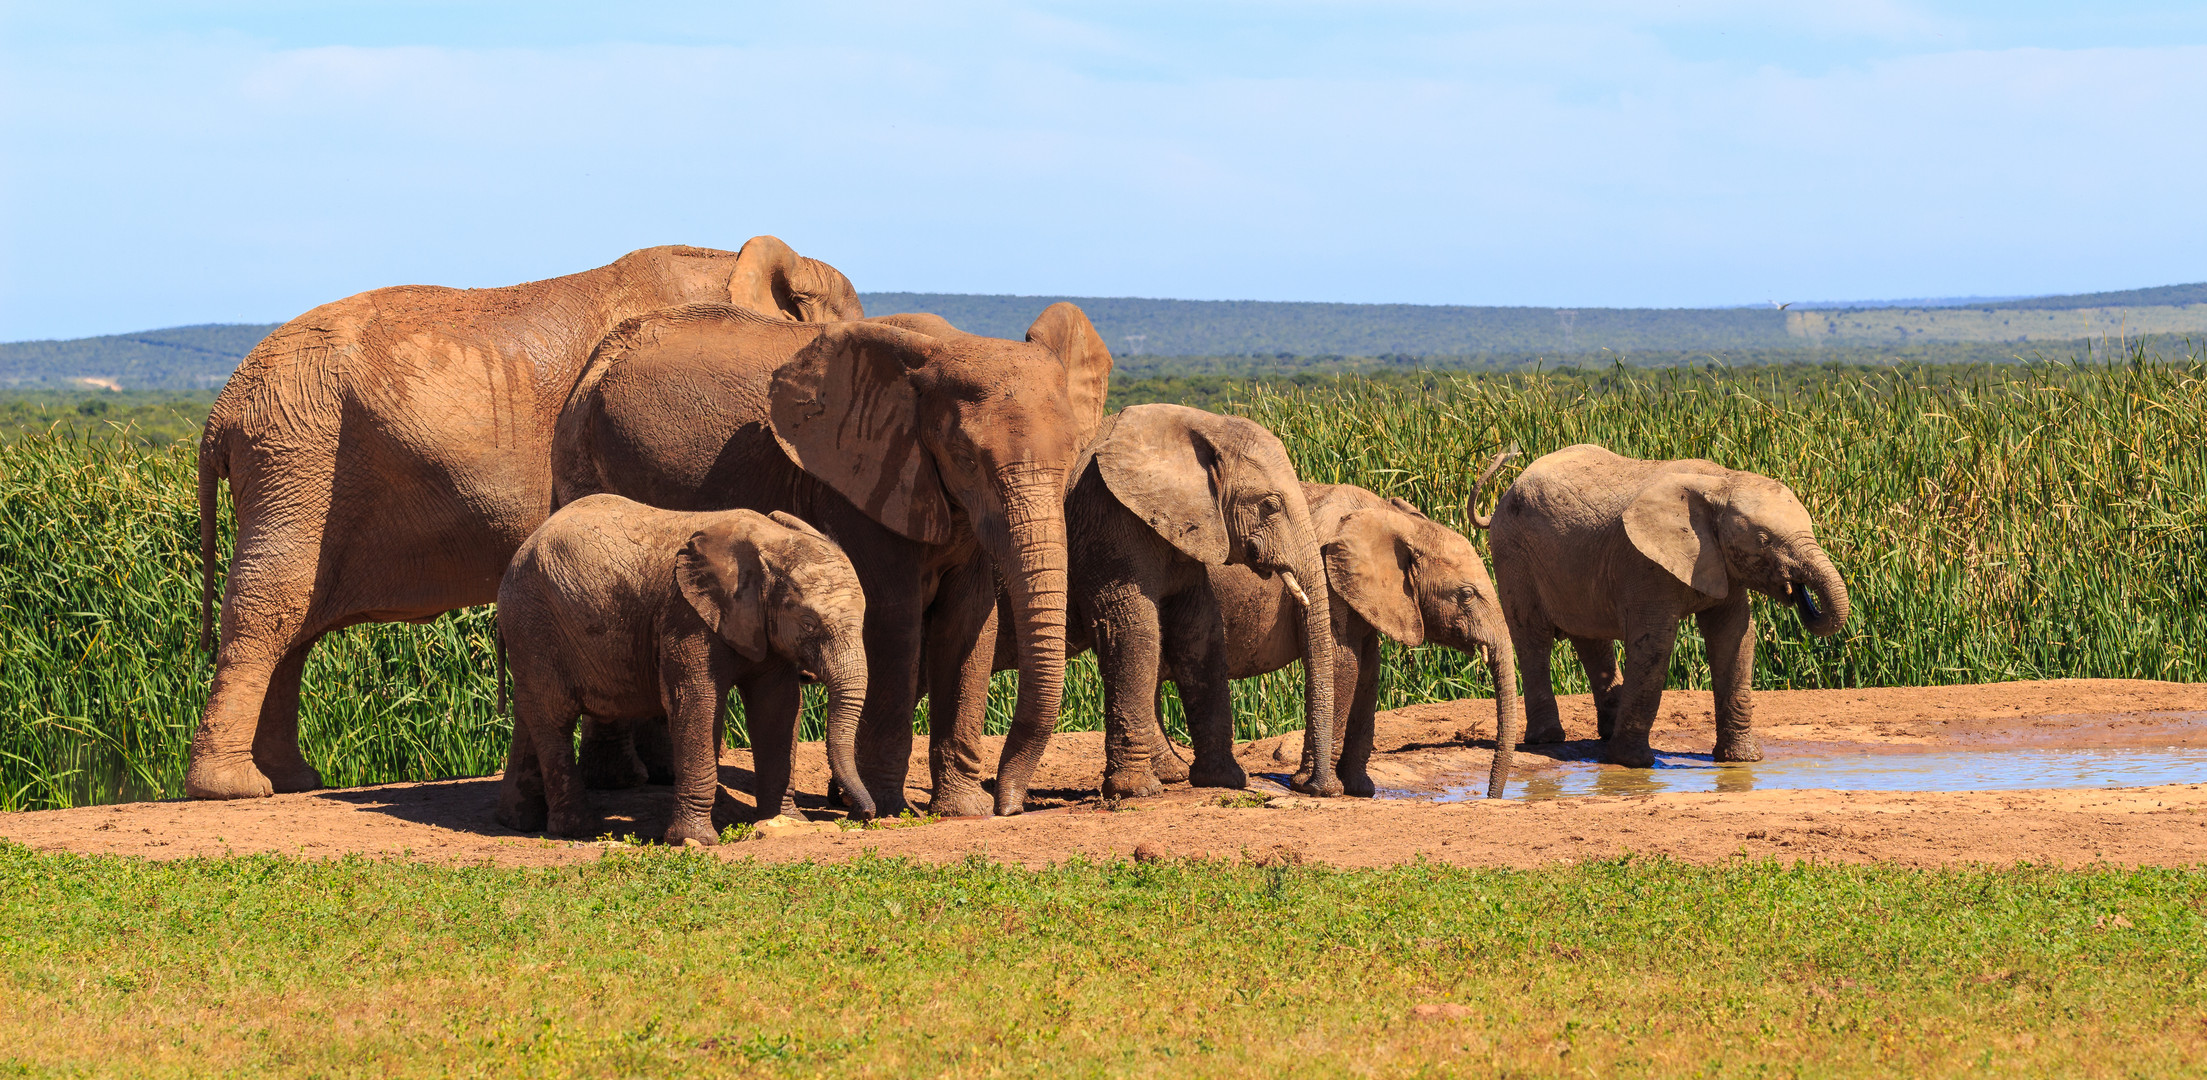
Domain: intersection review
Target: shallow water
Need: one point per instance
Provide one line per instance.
(1888, 769)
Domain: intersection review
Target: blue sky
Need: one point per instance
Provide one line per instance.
(216, 162)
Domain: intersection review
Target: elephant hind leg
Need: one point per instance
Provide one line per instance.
(276, 750)
(609, 758)
(1599, 658)
(1195, 636)
(521, 805)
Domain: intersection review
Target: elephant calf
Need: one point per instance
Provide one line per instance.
(1393, 571)
(1162, 495)
(1602, 548)
(625, 612)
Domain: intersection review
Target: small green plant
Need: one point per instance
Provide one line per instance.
(738, 833)
(1238, 800)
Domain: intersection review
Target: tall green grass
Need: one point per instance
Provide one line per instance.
(1993, 523)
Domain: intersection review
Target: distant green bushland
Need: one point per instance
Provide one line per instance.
(1993, 522)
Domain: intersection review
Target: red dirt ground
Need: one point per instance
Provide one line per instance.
(1422, 747)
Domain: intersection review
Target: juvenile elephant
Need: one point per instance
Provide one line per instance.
(1602, 548)
(388, 452)
(625, 612)
(1393, 571)
(1164, 496)
(937, 460)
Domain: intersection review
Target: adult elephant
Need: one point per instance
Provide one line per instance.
(931, 457)
(387, 454)
(1603, 548)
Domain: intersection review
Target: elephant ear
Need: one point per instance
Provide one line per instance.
(1407, 507)
(1672, 523)
(1065, 330)
(1371, 564)
(846, 410)
(788, 520)
(772, 279)
(1159, 463)
(711, 574)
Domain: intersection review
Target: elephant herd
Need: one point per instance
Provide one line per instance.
(692, 471)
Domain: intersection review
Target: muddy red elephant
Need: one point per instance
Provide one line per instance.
(936, 460)
(388, 453)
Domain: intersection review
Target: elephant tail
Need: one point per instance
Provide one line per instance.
(498, 644)
(213, 466)
(1471, 505)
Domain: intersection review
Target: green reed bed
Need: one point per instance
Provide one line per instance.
(1993, 523)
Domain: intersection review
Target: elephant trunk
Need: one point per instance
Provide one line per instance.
(845, 678)
(1509, 715)
(1034, 578)
(1307, 582)
(1822, 598)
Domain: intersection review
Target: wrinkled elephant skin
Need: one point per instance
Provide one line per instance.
(626, 612)
(1601, 548)
(388, 453)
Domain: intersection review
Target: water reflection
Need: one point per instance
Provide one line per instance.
(1931, 770)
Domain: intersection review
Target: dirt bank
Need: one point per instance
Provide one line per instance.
(1420, 747)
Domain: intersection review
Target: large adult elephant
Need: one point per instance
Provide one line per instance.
(387, 454)
(1602, 548)
(932, 457)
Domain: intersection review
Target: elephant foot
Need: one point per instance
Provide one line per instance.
(1603, 728)
(1169, 767)
(1632, 757)
(1325, 788)
(1131, 784)
(1358, 785)
(567, 823)
(236, 779)
(681, 832)
(521, 815)
(1226, 774)
(1548, 732)
(962, 803)
(1740, 748)
(301, 777)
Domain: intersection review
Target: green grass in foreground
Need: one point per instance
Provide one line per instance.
(656, 963)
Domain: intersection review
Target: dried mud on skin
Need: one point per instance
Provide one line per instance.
(450, 821)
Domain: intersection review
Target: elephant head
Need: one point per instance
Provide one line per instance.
(1712, 530)
(774, 586)
(932, 436)
(772, 279)
(1222, 491)
(1416, 580)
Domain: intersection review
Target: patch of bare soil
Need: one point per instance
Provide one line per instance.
(1421, 747)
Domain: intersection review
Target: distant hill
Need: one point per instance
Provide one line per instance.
(1191, 336)
(178, 358)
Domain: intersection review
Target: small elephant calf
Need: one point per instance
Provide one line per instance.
(626, 612)
(1602, 548)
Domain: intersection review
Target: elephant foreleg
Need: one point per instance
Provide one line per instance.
(1127, 642)
(1729, 632)
(1533, 644)
(771, 701)
(692, 699)
(1647, 665)
(1362, 695)
(961, 652)
(1599, 657)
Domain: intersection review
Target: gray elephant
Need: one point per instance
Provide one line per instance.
(1602, 548)
(1391, 570)
(627, 612)
(1164, 495)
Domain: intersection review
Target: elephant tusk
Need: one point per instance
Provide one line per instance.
(1295, 587)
